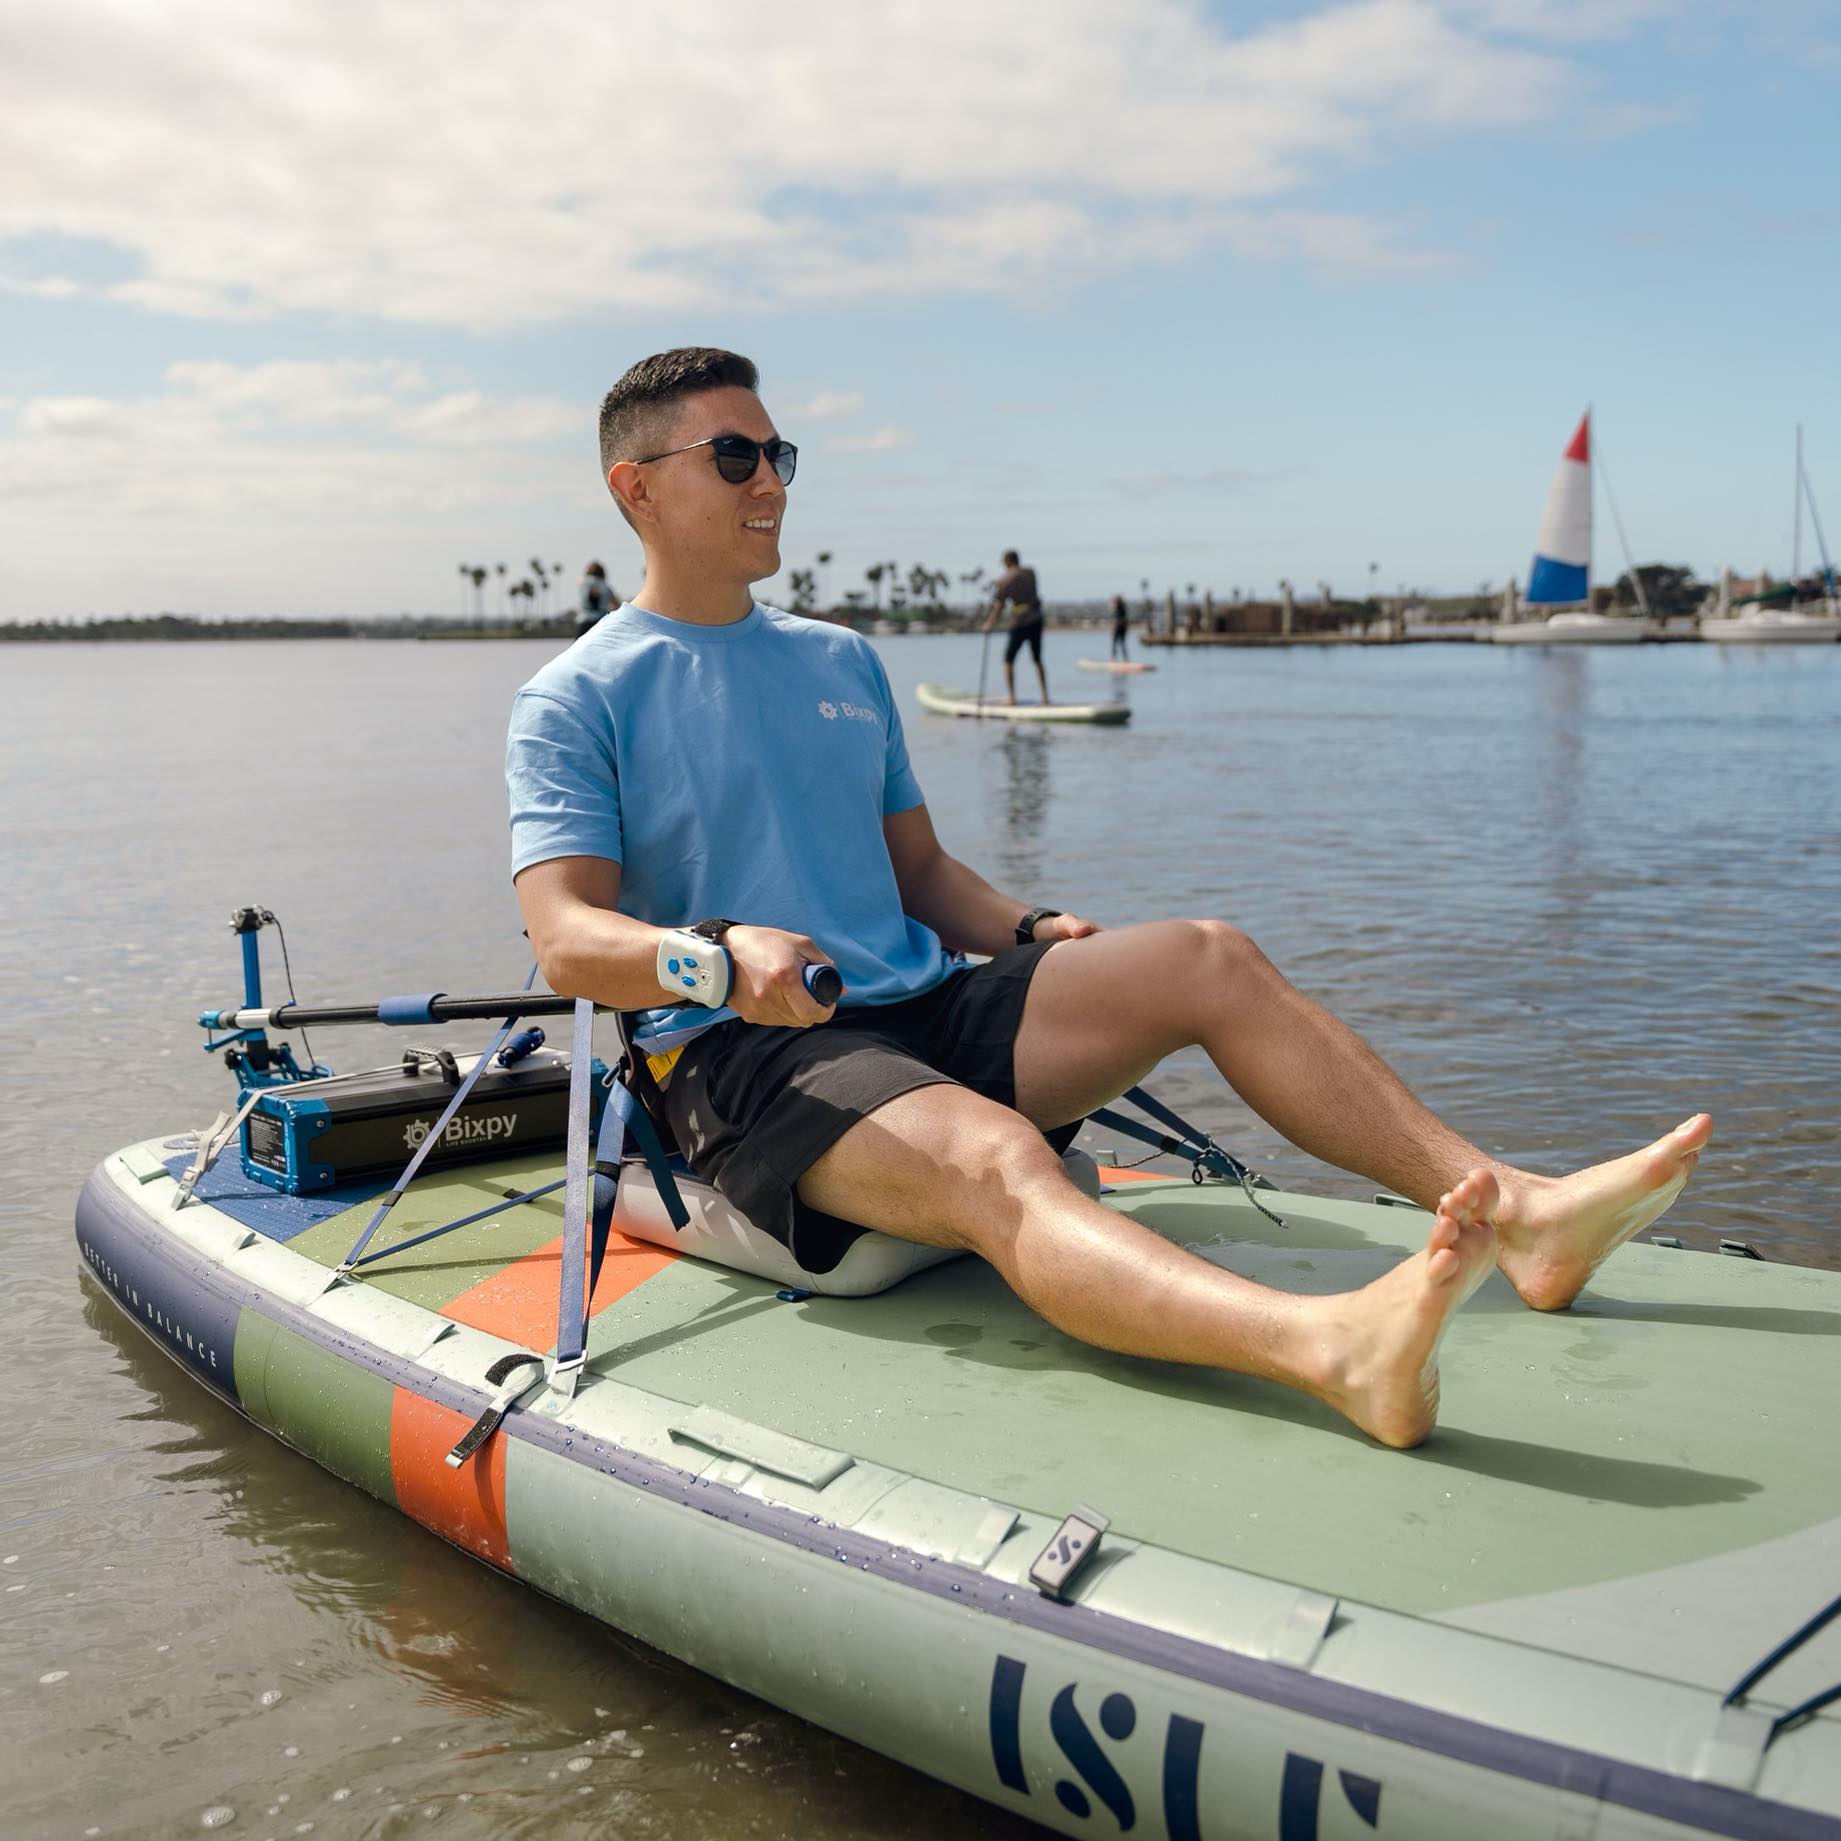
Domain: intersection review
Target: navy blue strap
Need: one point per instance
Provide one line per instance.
(572, 1305)
(646, 1133)
(423, 1150)
(1205, 1156)
(623, 1115)
(512, 1200)
(1136, 1128)
(616, 1115)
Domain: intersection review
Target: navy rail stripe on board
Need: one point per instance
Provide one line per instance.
(1710, 1808)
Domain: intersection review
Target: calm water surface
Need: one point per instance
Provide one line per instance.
(1574, 897)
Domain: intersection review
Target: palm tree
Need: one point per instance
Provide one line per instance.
(824, 565)
(873, 575)
(500, 567)
(466, 574)
(478, 574)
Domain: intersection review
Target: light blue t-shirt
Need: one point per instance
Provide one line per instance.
(739, 770)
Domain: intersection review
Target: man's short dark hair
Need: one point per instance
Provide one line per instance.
(1011, 559)
(637, 413)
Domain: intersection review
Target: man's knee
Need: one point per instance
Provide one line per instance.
(1001, 1169)
(1227, 956)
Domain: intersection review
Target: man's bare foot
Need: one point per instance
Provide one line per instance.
(1377, 1348)
(1552, 1233)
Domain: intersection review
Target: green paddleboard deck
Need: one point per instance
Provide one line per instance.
(1623, 1508)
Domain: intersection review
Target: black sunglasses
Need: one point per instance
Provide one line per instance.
(737, 456)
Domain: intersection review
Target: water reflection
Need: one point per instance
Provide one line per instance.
(480, 1699)
(1574, 897)
(1563, 707)
(1024, 754)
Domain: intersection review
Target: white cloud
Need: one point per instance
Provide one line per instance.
(221, 439)
(880, 442)
(289, 487)
(459, 162)
(824, 406)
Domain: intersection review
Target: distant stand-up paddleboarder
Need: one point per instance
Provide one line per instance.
(1016, 589)
(1121, 628)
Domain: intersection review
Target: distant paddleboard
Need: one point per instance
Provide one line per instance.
(1118, 665)
(966, 703)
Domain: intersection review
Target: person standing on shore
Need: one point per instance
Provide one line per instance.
(1121, 629)
(594, 598)
(1016, 589)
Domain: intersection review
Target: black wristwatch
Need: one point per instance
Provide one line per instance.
(711, 930)
(1026, 927)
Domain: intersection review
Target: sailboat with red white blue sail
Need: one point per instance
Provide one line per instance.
(1560, 578)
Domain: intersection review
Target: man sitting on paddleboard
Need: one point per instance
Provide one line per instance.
(700, 758)
(1016, 589)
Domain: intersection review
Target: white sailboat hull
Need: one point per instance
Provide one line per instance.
(1576, 629)
(1776, 626)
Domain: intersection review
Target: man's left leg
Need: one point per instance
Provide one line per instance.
(1103, 1011)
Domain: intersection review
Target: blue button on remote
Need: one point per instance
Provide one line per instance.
(689, 961)
(671, 965)
(690, 984)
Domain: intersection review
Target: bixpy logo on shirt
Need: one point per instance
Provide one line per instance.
(854, 711)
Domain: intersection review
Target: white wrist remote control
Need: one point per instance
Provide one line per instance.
(694, 970)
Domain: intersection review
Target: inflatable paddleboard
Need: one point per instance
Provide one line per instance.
(1114, 1596)
(1119, 667)
(966, 703)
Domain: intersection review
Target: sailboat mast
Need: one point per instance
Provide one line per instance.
(1815, 521)
(1796, 520)
(1636, 578)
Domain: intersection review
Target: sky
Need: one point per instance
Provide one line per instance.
(305, 306)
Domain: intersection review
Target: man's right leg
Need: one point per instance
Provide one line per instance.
(942, 1166)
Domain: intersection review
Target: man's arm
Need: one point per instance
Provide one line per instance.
(586, 949)
(955, 901)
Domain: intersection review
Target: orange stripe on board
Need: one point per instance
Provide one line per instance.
(466, 1506)
(518, 1301)
(1108, 1175)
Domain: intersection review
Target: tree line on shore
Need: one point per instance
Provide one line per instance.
(914, 598)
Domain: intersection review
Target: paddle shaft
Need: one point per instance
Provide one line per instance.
(821, 980)
(439, 1010)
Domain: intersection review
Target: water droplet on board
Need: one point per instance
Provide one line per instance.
(580, 1764)
(56, 1674)
(270, 1696)
(217, 1816)
(290, 1751)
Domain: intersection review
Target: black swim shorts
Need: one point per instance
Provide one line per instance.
(754, 1107)
(1028, 634)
